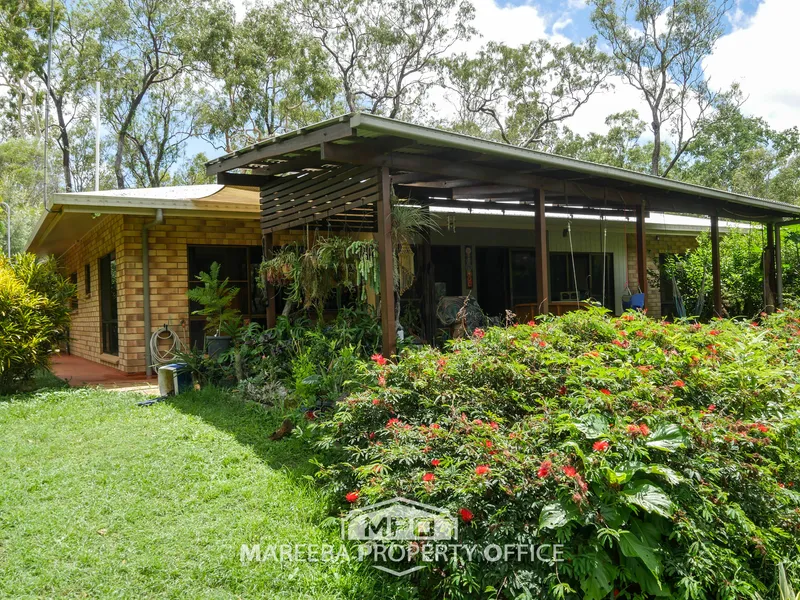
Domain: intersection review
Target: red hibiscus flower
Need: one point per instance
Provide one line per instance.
(479, 333)
(428, 477)
(466, 515)
(570, 471)
(436, 462)
(351, 497)
(605, 391)
(544, 469)
(601, 446)
(482, 470)
(379, 359)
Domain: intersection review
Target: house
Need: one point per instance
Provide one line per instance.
(521, 229)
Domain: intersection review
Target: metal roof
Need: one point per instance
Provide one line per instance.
(397, 144)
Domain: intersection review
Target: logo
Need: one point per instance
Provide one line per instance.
(399, 520)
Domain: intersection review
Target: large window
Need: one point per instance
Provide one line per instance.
(108, 303)
(240, 264)
(587, 271)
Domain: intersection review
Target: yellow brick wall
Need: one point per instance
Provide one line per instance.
(169, 277)
(85, 329)
(656, 244)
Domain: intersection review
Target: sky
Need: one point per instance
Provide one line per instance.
(758, 51)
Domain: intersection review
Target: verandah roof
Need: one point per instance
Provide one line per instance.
(324, 170)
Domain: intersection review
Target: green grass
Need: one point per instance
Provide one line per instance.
(101, 498)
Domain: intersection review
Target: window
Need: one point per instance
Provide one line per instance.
(87, 280)
(588, 271)
(240, 264)
(73, 279)
(108, 303)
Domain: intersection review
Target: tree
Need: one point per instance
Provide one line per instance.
(150, 44)
(524, 93)
(620, 147)
(263, 77)
(658, 48)
(744, 154)
(384, 53)
(75, 63)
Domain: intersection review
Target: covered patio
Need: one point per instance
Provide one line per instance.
(344, 172)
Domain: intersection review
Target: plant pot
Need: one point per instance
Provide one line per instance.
(216, 344)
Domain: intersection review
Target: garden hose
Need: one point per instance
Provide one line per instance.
(164, 333)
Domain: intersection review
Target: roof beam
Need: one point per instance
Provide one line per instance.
(242, 180)
(281, 145)
(354, 154)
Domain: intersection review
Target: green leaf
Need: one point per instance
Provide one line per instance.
(649, 497)
(555, 516)
(592, 426)
(599, 582)
(667, 437)
(632, 547)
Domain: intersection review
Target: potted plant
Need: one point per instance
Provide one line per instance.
(216, 297)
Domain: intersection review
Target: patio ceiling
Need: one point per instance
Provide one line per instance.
(328, 171)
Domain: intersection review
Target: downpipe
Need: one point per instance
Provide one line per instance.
(159, 220)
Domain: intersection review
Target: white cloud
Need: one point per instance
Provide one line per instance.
(761, 56)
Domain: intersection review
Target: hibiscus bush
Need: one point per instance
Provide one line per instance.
(664, 457)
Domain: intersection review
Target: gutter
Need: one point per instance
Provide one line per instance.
(159, 220)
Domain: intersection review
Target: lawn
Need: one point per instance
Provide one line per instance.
(101, 498)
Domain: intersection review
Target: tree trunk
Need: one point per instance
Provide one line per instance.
(656, 158)
(64, 137)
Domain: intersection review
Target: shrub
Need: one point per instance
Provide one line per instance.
(34, 317)
(663, 456)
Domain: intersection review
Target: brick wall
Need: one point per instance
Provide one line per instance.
(169, 277)
(656, 244)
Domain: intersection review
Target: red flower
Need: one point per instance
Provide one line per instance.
(678, 383)
(762, 428)
(478, 422)
(392, 421)
(376, 401)
(494, 425)
(378, 358)
(544, 469)
(605, 391)
(542, 344)
(570, 471)
(488, 443)
(482, 470)
(532, 323)
(562, 390)
(644, 430)
(479, 333)
(714, 332)
(712, 407)
(466, 515)
(351, 497)
(436, 462)
(428, 477)
(633, 430)
(601, 446)
(435, 426)
(311, 415)
(442, 362)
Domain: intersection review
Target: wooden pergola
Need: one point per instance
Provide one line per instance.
(342, 173)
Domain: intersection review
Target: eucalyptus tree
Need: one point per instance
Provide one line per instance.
(385, 52)
(659, 47)
(76, 61)
(149, 44)
(262, 76)
(521, 94)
